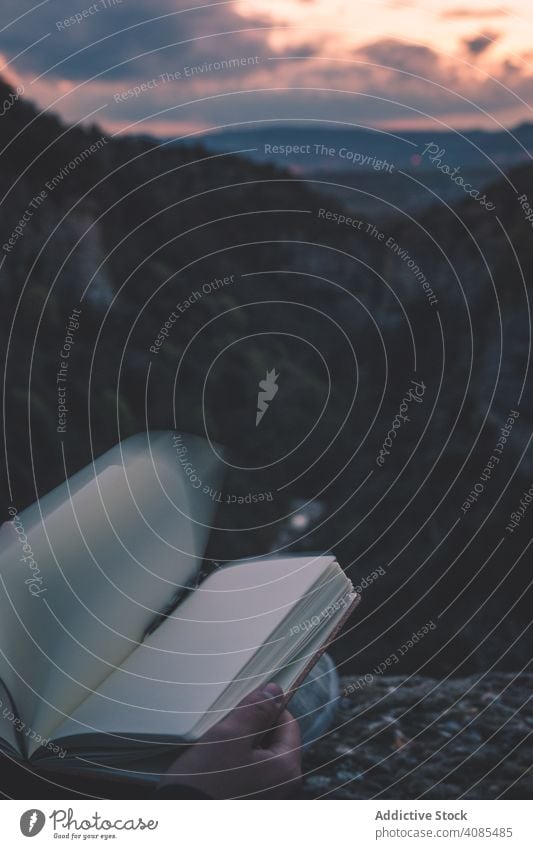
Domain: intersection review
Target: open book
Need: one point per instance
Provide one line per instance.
(111, 652)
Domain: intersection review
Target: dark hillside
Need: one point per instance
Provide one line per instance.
(131, 229)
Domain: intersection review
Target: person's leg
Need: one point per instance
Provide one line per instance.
(314, 704)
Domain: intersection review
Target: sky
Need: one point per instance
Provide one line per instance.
(175, 67)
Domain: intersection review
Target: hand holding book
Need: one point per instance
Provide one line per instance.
(254, 751)
(116, 546)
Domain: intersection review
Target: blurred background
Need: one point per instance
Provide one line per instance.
(338, 192)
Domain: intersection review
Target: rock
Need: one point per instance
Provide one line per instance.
(430, 740)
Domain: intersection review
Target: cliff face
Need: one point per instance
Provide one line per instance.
(467, 738)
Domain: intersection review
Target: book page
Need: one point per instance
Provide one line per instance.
(108, 556)
(9, 721)
(170, 682)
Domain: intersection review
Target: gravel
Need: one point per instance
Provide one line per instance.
(420, 738)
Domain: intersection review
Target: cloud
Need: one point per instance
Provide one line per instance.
(131, 39)
(222, 91)
(412, 58)
(459, 13)
(399, 4)
(479, 44)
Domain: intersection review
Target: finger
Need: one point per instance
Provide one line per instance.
(284, 736)
(258, 712)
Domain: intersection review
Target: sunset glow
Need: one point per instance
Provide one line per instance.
(177, 69)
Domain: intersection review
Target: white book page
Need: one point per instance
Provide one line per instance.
(110, 556)
(170, 682)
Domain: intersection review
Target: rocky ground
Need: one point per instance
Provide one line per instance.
(465, 738)
(419, 738)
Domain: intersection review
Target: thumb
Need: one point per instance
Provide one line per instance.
(258, 712)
